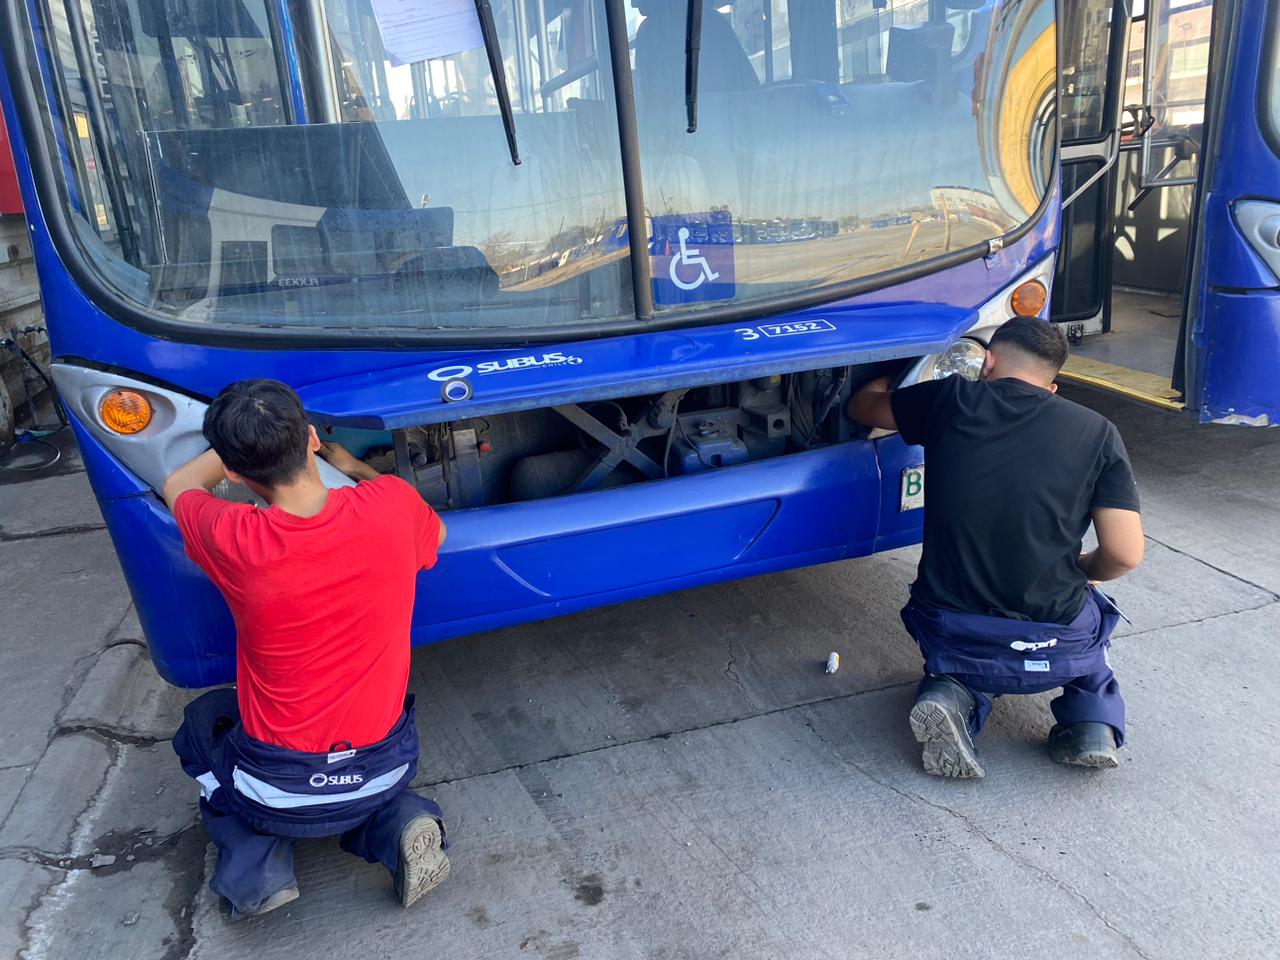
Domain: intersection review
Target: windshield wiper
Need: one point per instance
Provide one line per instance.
(494, 50)
(692, 47)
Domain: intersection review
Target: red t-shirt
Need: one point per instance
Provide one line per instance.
(322, 607)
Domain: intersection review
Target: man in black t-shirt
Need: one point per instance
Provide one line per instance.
(1004, 601)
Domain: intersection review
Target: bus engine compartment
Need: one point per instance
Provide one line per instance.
(601, 444)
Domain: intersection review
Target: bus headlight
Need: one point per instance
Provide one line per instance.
(964, 357)
(150, 429)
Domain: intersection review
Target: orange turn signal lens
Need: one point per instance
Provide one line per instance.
(125, 411)
(1028, 299)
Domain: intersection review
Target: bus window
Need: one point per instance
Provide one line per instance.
(1177, 76)
(1135, 80)
(866, 29)
(370, 87)
(1086, 40)
(844, 139)
(838, 140)
(188, 63)
(660, 32)
(407, 213)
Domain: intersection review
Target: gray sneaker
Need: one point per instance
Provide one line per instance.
(423, 865)
(1088, 743)
(940, 722)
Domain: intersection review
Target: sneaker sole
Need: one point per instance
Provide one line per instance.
(947, 749)
(1093, 761)
(423, 865)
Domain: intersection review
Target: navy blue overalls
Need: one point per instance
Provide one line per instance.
(995, 655)
(256, 798)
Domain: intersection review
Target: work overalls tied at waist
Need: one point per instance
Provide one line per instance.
(288, 793)
(996, 655)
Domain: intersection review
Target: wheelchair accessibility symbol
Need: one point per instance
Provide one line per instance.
(688, 260)
(693, 257)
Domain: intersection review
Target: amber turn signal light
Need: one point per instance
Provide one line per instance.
(1028, 299)
(125, 412)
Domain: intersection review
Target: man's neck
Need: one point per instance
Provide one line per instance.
(1026, 378)
(305, 497)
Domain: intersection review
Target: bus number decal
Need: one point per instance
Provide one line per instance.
(796, 327)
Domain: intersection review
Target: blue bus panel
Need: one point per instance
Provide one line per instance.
(518, 562)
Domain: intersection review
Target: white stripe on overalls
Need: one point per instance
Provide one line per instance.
(272, 796)
(208, 783)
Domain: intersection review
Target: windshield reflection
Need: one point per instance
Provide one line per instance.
(837, 140)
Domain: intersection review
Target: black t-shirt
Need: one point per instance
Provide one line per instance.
(1011, 475)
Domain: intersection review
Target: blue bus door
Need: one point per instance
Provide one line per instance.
(1232, 312)
(1170, 257)
(1130, 154)
(1093, 36)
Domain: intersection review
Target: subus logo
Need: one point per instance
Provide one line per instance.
(1021, 645)
(457, 370)
(319, 780)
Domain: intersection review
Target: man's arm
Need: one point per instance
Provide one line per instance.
(870, 405)
(203, 473)
(337, 456)
(1120, 544)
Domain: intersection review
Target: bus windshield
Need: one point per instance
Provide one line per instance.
(343, 166)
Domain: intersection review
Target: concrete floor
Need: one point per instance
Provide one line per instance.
(677, 777)
(1144, 331)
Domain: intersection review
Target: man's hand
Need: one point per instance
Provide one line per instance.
(203, 473)
(1120, 545)
(338, 457)
(871, 407)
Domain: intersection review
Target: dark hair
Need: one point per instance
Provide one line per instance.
(259, 429)
(1038, 339)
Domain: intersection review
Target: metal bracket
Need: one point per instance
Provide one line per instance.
(404, 463)
(466, 483)
(622, 447)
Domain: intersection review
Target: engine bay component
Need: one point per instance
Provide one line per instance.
(600, 444)
(709, 439)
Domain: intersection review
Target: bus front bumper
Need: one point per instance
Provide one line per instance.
(528, 561)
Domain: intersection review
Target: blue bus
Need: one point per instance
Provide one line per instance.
(595, 276)
(1168, 263)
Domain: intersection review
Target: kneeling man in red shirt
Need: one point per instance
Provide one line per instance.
(318, 737)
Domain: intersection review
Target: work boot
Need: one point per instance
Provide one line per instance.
(423, 865)
(1088, 743)
(940, 721)
(276, 900)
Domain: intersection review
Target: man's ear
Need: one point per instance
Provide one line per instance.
(313, 440)
(233, 476)
(1053, 387)
(988, 364)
